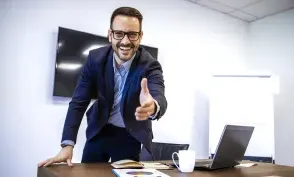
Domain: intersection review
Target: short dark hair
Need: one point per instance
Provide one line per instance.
(127, 11)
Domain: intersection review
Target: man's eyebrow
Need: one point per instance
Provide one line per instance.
(127, 31)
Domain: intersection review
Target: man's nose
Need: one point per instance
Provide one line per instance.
(125, 40)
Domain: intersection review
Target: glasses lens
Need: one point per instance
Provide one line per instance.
(119, 35)
(133, 36)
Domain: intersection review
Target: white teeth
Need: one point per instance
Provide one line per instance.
(125, 48)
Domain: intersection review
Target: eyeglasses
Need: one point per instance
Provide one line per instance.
(119, 35)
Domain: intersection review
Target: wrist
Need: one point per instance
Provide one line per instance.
(67, 147)
(65, 143)
(156, 110)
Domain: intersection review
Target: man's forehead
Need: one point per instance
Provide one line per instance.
(122, 22)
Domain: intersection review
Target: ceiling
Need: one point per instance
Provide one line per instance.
(247, 10)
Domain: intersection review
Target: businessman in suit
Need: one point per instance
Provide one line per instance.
(129, 86)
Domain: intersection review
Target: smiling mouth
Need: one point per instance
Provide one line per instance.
(125, 48)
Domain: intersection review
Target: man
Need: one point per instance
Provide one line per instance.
(130, 94)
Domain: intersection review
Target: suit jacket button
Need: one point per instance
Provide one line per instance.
(130, 130)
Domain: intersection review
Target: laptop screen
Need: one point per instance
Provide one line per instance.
(232, 146)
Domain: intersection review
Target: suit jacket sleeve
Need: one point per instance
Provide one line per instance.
(156, 87)
(79, 103)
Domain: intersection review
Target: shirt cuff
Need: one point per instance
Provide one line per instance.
(67, 143)
(152, 117)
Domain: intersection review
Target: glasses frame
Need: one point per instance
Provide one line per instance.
(125, 33)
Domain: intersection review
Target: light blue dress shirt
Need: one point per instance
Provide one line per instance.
(120, 75)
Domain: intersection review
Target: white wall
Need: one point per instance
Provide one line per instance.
(192, 43)
(270, 48)
(243, 101)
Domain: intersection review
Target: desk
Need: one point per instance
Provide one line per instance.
(104, 170)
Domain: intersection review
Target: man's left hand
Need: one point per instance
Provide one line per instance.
(147, 107)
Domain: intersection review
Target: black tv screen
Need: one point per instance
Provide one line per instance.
(72, 50)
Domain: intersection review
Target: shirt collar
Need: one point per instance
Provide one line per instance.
(125, 65)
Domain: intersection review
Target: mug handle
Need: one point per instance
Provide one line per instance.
(175, 153)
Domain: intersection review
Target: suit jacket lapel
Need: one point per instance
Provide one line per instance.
(131, 76)
(109, 80)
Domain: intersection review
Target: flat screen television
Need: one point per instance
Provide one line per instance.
(72, 50)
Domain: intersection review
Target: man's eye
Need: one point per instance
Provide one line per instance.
(119, 34)
(132, 34)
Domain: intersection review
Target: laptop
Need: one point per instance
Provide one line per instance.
(230, 149)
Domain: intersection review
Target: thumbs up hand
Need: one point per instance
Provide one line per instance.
(147, 107)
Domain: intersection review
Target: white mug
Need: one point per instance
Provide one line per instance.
(187, 160)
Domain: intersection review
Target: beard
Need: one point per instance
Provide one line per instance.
(125, 51)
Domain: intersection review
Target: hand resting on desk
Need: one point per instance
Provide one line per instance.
(65, 155)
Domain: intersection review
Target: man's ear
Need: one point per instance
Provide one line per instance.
(141, 35)
(109, 35)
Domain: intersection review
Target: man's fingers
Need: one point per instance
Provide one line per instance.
(144, 109)
(147, 104)
(43, 163)
(141, 115)
(141, 118)
(69, 162)
(50, 161)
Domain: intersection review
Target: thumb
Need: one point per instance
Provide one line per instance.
(144, 86)
(69, 162)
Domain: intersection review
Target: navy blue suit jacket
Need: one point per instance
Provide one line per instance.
(97, 78)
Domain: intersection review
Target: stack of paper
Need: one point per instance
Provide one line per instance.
(130, 164)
